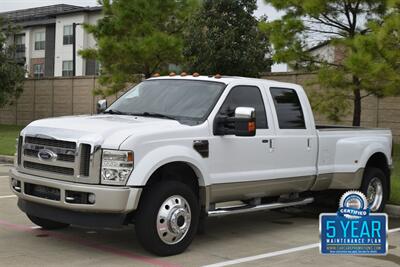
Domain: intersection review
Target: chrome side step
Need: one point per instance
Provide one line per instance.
(223, 211)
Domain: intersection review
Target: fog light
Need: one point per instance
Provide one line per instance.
(16, 185)
(92, 198)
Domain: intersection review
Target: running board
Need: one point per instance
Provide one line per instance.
(223, 211)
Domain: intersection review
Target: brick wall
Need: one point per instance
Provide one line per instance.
(52, 97)
(73, 95)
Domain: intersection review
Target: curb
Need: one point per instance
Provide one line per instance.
(6, 159)
(393, 211)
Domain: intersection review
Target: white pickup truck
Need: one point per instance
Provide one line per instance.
(174, 149)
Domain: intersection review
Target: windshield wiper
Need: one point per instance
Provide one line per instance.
(154, 114)
(116, 112)
(144, 114)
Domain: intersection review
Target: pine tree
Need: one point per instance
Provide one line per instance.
(347, 24)
(137, 37)
(11, 73)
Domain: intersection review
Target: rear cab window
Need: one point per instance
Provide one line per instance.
(288, 108)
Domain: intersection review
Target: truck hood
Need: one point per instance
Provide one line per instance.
(109, 131)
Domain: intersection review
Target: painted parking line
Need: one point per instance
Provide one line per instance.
(393, 230)
(4, 176)
(90, 244)
(274, 254)
(10, 196)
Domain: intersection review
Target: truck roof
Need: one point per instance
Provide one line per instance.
(225, 79)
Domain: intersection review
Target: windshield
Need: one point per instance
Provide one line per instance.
(183, 100)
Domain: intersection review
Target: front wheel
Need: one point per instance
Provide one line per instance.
(375, 188)
(167, 219)
(47, 224)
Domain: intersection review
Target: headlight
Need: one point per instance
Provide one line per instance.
(116, 166)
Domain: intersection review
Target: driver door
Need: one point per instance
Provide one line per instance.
(238, 163)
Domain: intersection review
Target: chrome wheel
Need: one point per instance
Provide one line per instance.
(173, 220)
(375, 194)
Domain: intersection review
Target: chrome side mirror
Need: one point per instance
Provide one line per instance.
(245, 113)
(101, 105)
(245, 121)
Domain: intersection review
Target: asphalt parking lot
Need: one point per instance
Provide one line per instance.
(285, 238)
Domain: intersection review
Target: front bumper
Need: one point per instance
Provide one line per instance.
(108, 199)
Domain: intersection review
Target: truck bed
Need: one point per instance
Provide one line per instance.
(344, 128)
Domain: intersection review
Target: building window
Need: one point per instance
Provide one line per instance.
(38, 71)
(40, 40)
(68, 35)
(67, 68)
(20, 43)
(97, 68)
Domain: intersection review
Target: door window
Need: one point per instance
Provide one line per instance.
(288, 108)
(245, 96)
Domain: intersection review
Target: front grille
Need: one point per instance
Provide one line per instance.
(50, 142)
(60, 157)
(48, 168)
(61, 160)
(85, 160)
(19, 155)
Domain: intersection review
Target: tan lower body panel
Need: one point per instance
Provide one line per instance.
(339, 180)
(247, 190)
(275, 187)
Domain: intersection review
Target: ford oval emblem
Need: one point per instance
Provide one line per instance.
(48, 155)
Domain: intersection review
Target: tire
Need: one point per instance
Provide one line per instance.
(375, 184)
(47, 224)
(157, 233)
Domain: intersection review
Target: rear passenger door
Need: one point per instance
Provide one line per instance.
(295, 145)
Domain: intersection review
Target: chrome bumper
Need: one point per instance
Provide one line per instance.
(109, 199)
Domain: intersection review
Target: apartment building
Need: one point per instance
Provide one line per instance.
(51, 37)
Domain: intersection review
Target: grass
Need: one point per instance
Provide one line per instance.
(8, 135)
(395, 191)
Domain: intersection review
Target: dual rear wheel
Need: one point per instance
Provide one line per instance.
(376, 188)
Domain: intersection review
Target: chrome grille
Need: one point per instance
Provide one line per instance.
(60, 157)
(50, 142)
(48, 168)
(72, 162)
(85, 160)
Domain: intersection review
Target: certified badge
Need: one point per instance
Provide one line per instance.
(353, 230)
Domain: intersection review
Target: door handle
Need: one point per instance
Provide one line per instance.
(270, 142)
(308, 144)
(271, 145)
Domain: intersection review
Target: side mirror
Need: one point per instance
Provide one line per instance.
(242, 124)
(101, 105)
(245, 121)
